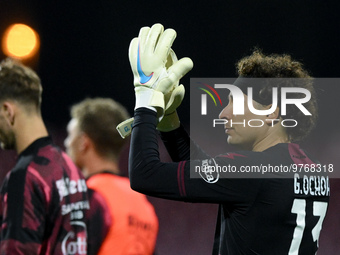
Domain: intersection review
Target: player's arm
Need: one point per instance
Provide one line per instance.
(180, 146)
(177, 143)
(175, 180)
(23, 225)
(153, 80)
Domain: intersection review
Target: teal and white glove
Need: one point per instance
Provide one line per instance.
(148, 55)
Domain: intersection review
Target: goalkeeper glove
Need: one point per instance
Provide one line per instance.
(172, 100)
(148, 56)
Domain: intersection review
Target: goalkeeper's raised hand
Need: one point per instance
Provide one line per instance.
(148, 56)
(156, 72)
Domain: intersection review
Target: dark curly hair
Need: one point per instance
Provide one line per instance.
(259, 65)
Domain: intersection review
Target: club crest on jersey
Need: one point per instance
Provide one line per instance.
(208, 171)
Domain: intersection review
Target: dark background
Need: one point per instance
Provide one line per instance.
(83, 53)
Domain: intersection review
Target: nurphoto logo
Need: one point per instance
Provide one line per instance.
(279, 98)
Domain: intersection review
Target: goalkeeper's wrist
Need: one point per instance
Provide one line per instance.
(151, 99)
(169, 122)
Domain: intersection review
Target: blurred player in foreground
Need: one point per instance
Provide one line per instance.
(94, 144)
(256, 216)
(44, 197)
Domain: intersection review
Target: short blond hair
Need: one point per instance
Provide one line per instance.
(98, 118)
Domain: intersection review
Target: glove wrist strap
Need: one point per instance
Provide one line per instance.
(151, 99)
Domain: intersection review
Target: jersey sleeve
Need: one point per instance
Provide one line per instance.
(23, 225)
(180, 146)
(150, 176)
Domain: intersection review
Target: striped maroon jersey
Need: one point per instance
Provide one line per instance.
(43, 204)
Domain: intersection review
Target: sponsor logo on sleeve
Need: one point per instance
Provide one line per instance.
(208, 171)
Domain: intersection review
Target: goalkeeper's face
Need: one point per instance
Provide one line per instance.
(241, 129)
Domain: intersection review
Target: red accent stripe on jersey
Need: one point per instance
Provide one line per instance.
(183, 183)
(46, 187)
(180, 178)
(298, 155)
(232, 155)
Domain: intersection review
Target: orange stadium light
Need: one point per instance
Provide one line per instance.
(20, 41)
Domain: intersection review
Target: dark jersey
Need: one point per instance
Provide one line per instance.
(256, 216)
(98, 220)
(43, 203)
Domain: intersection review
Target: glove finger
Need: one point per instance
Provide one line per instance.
(133, 54)
(175, 99)
(133, 49)
(169, 93)
(175, 72)
(172, 59)
(153, 36)
(180, 68)
(164, 44)
(143, 35)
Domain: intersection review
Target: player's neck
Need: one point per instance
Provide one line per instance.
(270, 140)
(27, 130)
(95, 164)
(272, 136)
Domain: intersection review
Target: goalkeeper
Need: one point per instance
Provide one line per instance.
(256, 216)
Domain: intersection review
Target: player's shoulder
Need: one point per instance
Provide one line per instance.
(112, 186)
(48, 163)
(108, 181)
(40, 154)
